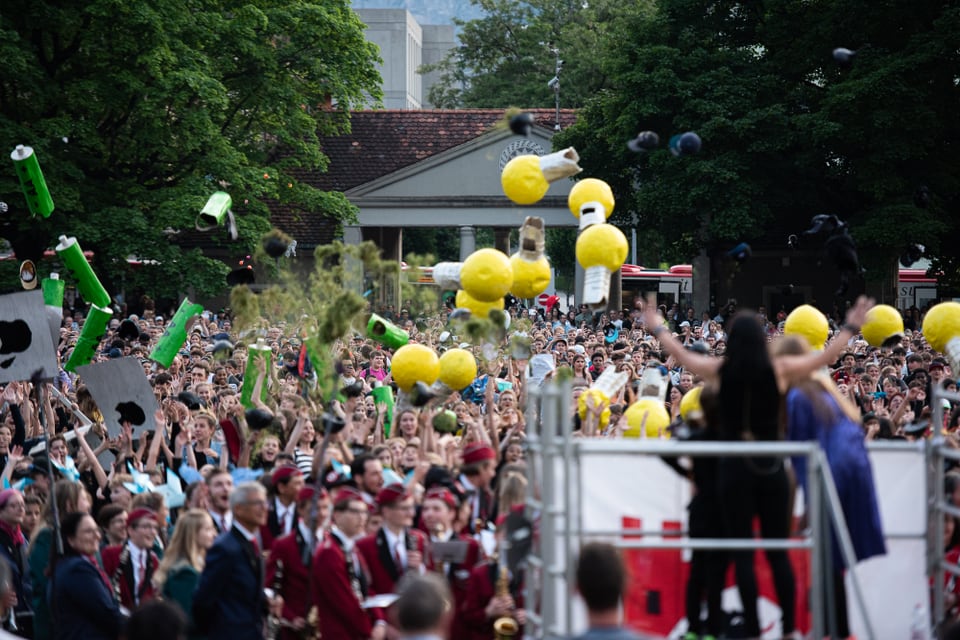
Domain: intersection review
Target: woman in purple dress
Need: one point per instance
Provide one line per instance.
(816, 411)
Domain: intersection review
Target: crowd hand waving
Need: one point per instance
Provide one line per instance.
(15, 455)
(11, 394)
(857, 314)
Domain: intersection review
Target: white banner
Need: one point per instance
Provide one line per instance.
(122, 392)
(639, 491)
(24, 348)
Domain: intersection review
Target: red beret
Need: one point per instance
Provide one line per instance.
(478, 452)
(307, 493)
(284, 473)
(439, 493)
(140, 514)
(391, 493)
(346, 494)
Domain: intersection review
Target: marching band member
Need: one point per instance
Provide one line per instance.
(438, 512)
(131, 565)
(478, 470)
(286, 572)
(287, 482)
(396, 547)
(341, 580)
(493, 592)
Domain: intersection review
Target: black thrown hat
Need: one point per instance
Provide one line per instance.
(130, 412)
(521, 124)
(128, 330)
(645, 141)
(258, 419)
(190, 399)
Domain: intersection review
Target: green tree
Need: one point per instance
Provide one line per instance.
(787, 132)
(509, 56)
(139, 111)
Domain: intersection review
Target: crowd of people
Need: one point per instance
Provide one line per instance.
(273, 533)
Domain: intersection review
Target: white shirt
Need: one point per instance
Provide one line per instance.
(224, 522)
(397, 544)
(348, 547)
(250, 536)
(285, 516)
(317, 537)
(140, 559)
(475, 512)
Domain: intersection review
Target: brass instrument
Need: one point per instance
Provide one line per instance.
(274, 622)
(504, 627)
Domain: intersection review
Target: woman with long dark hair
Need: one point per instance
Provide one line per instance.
(71, 497)
(81, 597)
(750, 395)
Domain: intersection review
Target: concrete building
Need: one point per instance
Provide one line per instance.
(427, 168)
(405, 45)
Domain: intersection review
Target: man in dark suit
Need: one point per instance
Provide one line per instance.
(341, 579)
(287, 482)
(396, 547)
(287, 574)
(131, 565)
(230, 601)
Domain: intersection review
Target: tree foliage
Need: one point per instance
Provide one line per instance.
(139, 111)
(787, 132)
(507, 57)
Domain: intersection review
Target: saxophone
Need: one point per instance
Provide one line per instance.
(505, 627)
(273, 622)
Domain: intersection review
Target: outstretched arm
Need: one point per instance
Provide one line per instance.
(791, 368)
(702, 365)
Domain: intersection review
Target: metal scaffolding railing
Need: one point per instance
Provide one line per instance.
(555, 503)
(938, 453)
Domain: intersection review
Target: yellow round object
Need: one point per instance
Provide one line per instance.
(413, 363)
(808, 323)
(600, 399)
(479, 309)
(530, 279)
(656, 416)
(883, 323)
(590, 190)
(602, 245)
(690, 408)
(941, 324)
(523, 181)
(458, 369)
(486, 275)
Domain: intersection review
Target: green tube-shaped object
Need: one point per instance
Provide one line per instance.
(87, 282)
(386, 333)
(175, 334)
(94, 328)
(214, 211)
(32, 182)
(251, 372)
(384, 395)
(53, 299)
(53, 290)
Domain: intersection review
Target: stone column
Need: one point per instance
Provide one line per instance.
(468, 241)
(501, 239)
(352, 235)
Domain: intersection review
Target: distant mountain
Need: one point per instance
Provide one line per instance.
(427, 11)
